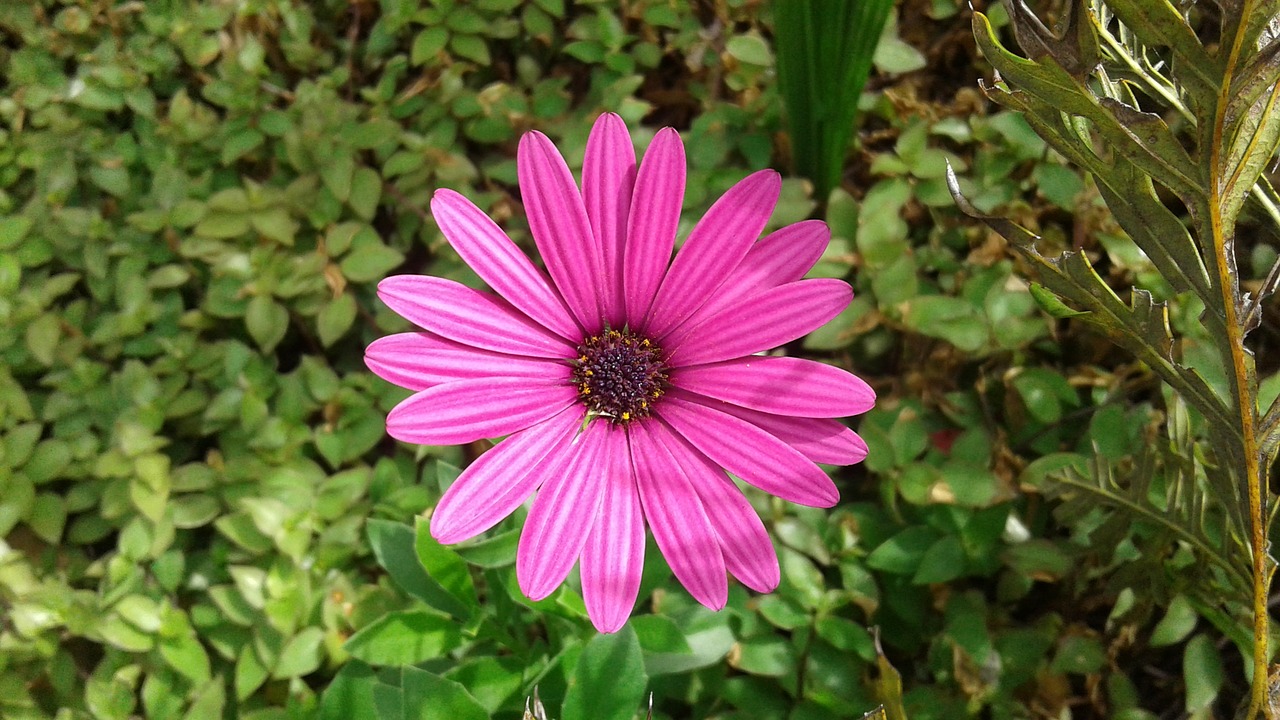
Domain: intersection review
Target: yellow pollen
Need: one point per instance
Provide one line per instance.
(582, 358)
(626, 416)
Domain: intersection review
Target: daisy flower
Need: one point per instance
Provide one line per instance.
(626, 383)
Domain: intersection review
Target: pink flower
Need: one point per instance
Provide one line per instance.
(626, 383)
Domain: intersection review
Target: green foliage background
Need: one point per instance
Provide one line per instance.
(197, 496)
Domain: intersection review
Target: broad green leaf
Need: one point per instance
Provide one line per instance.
(609, 680)
(185, 654)
(394, 544)
(902, 553)
(250, 672)
(350, 693)
(13, 229)
(1178, 622)
(412, 694)
(943, 561)
(768, 656)
(1202, 672)
(369, 259)
(335, 318)
(267, 321)
(301, 654)
(445, 566)
(209, 701)
(427, 44)
(366, 191)
(337, 172)
(405, 638)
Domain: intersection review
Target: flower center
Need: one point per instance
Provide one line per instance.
(619, 375)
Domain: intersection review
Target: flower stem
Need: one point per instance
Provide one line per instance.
(1240, 379)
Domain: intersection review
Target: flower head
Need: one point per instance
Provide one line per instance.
(626, 383)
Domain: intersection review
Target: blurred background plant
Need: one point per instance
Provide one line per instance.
(1201, 130)
(201, 516)
(824, 54)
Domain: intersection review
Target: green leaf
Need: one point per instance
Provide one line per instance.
(13, 229)
(1178, 622)
(124, 635)
(335, 318)
(209, 701)
(1044, 392)
(943, 561)
(846, 635)
(301, 654)
(250, 672)
(490, 680)
(337, 174)
(366, 191)
(394, 544)
(267, 321)
(896, 57)
(405, 638)
(750, 48)
(1202, 672)
(369, 259)
(221, 225)
(768, 656)
(445, 567)
(471, 47)
(609, 680)
(1080, 655)
(492, 552)
(955, 320)
(276, 224)
(48, 517)
(427, 44)
(657, 634)
(185, 654)
(1051, 304)
(350, 693)
(414, 694)
(42, 337)
(902, 553)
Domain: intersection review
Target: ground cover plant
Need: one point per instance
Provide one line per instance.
(201, 514)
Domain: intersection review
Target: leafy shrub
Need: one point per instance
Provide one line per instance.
(197, 497)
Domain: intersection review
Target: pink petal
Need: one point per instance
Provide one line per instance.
(470, 317)
(652, 223)
(748, 452)
(558, 221)
(420, 360)
(765, 320)
(613, 558)
(468, 410)
(493, 486)
(819, 439)
(500, 263)
(563, 512)
(783, 256)
(748, 551)
(780, 385)
(715, 247)
(679, 522)
(608, 178)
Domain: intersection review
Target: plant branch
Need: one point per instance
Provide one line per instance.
(1222, 229)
